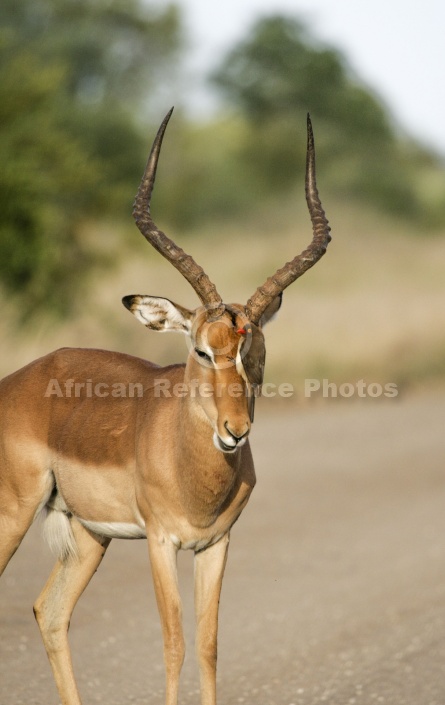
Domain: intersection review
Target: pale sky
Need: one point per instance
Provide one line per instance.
(396, 46)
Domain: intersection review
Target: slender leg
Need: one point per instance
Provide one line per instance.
(17, 510)
(209, 571)
(56, 602)
(12, 531)
(163, 555)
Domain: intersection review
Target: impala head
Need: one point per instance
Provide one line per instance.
(225, 367)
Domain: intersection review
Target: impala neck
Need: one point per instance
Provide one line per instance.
(206, 475)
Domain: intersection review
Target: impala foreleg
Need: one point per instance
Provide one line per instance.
(20, 503)
(209, 571)
(56, 602)
(13, 527)
(163, 557)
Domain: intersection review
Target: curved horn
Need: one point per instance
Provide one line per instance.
(183, 262)
(273, 286)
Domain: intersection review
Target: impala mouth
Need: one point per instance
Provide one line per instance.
(227, 447)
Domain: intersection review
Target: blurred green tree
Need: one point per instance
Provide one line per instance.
(76, 77)
(277, 74)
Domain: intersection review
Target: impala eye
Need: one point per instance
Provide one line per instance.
(203, 355)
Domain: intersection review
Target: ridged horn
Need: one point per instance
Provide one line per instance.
(285, 276)
(183, 262)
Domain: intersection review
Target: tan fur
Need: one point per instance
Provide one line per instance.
(176, 468)
(125, 461)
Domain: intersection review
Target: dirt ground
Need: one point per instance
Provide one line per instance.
(334, 590)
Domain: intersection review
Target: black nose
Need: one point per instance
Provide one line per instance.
(235, 436)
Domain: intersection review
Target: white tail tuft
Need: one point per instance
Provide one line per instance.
(59, 535)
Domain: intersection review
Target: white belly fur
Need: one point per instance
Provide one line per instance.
(114, 529)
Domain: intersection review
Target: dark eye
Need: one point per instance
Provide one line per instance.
(203, 355)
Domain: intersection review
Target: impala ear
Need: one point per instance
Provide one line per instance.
(272, 310)
(159, 314)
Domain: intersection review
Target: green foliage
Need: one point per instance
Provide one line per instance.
(280, 69)
(278, 74)
(76, 77)
(79, 78)
(201, 177)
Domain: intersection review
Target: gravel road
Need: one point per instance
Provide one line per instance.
(334, 590)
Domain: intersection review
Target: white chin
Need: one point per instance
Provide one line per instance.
(223, 447)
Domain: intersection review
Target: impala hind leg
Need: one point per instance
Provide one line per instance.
(56, 602)
(163, 555)
(209, 571)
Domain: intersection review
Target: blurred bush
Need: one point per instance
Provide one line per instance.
(278, 73)
(81, 80)
(76, 78)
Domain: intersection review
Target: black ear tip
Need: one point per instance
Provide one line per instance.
(128, 301)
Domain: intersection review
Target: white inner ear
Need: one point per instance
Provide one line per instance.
(161, 314)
